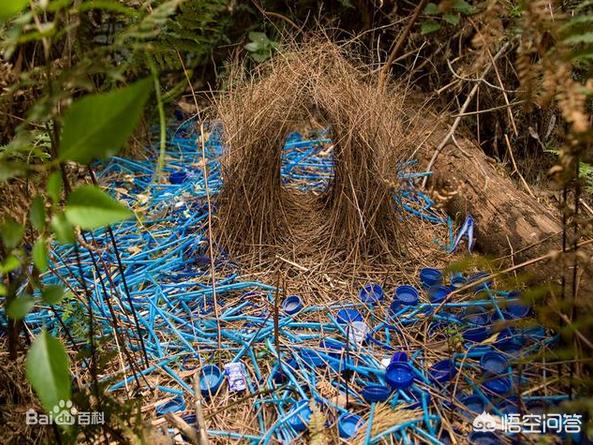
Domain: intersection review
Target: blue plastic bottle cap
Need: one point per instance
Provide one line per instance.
(509, 406)
(476, 334)
(406, 295)
(371, 294)
(399, 356)
(292, 304)
(474, 404)
(430, 277)
(348, 316)
(498, 385)
(349, 424)
(399, 375)
(483, 438)
(514, 311)
(509, 340)
(301, 416)
(290, 365)
(177, 177)
(438, 293)
(211, 378)
(477, 315)
(481, 286)
(375, 393)
(174, 405)
(442, 371)
(494, 363)
(190, 419)
(457, 280)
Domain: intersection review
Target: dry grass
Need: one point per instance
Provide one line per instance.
(356, 216)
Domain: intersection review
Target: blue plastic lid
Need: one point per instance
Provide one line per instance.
(399, 356)
(292, 304)
(371, 294)
(190, 419)
(375, 393)
(177, 177)
(301, 416)
(349, 424)
(477, 315)
(457, 280)
(494, 363)
(399, 375)
(406, 295)
(480, 286)
(476, 334)
(430, 277)
(348, 316)
(498, 385)
(279, 375)
(442, 371)
(474, 404)
(509, 340)
(438, 293)
(172, 406)
(483, 438)
(211, 378)
(515, 311)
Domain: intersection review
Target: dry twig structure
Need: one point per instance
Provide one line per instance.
(357, 214)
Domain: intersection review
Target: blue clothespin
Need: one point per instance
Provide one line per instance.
(466, 229)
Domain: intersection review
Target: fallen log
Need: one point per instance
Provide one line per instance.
(509, 222)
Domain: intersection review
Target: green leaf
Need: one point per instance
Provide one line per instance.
(98, 125)
(9, 264)
(429, 26)
(453, 19)
(258, 37)
(462, 6)
(10, 8)
(10, 170)
(54, 186)
(89, 207)
(431, 9)
(52, 294)
(39, 253)
(260, 57)
(253, 47)
(48, 370)
(37, 213)
(11, 233)
(3, 290)
(580, 38)
(62, 229)
(19, 307)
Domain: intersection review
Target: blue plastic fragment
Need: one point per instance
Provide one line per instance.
(466, 230)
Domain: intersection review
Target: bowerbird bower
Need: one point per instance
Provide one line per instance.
(356, 214)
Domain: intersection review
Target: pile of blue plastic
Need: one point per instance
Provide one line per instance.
(355, 347)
